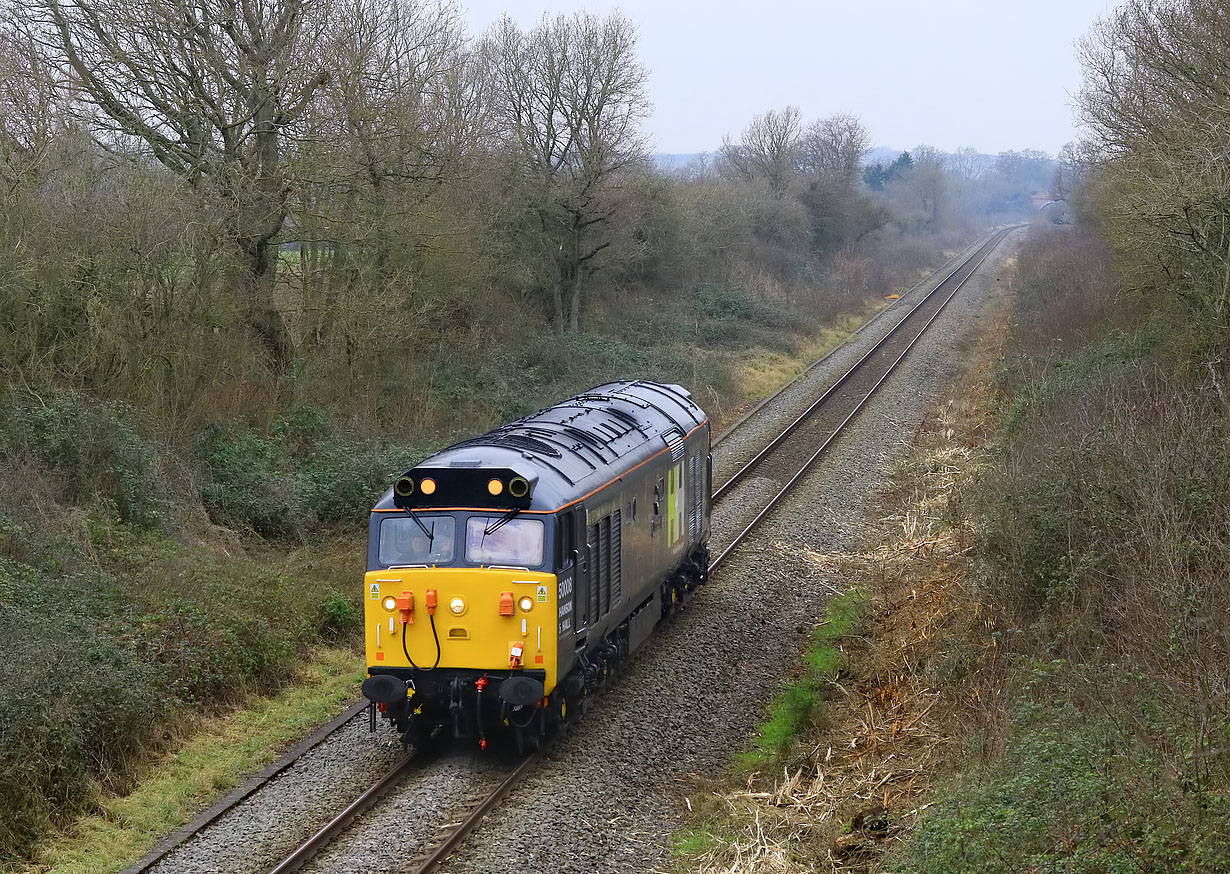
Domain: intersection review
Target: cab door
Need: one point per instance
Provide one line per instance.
(567, 573)
(582, 549)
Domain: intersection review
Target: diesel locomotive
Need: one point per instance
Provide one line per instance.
(509, 575)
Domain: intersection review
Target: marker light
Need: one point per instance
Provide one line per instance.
(527, 604)
(495, 486)
(457, 605)
(404, 486)
(389, 603)
(427, 486)
(518, 487)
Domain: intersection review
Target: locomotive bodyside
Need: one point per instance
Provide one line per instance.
(508, 575)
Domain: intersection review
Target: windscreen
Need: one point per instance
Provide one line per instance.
(404, 542)
(516, 542)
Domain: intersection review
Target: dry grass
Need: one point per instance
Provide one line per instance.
(921, 677)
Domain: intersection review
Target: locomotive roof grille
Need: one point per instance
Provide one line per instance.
(584, 436)
(514, 440)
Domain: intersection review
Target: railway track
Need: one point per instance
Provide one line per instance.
(784, 460)
(447, 837)
(945, 269)
(797, 447)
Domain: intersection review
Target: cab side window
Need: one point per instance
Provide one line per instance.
(564, 541)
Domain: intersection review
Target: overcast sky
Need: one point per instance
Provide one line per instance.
(946, 73)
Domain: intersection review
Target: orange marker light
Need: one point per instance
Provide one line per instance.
(495, 487)
(506, 603)
(427, 486)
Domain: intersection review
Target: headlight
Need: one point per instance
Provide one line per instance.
(527, 604)
(389, 603)
(458, 606)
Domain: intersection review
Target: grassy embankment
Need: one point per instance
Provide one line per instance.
(155, 589)
(1039, 679)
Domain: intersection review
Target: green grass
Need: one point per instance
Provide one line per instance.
(219, 753)
(694, 842)
(798, 703)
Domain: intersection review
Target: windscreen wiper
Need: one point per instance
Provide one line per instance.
(499, 523)
(431, 534)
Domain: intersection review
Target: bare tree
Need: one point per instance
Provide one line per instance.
(394, 119)
(768, 149)
(967, 164)
(928, 180)
(833, 149)
(1155, 101)
(209, 88)
(571, 99)
(396, 65)
(29, 104)
(1071, 169)
(830, 156)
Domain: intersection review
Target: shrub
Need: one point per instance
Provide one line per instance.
(341, 480)
(75, 703)
(247, 482)
(98, 449)
(1103, 541)
(338, 615)
(302, 474)
(1080, 789)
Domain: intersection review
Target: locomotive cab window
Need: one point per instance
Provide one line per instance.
(499, 540)
(403, 541)
(564, 544)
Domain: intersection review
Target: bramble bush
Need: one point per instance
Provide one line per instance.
(1082, 787)
(1103, 544)
(99, 450)
(75, 703)
(301, 473)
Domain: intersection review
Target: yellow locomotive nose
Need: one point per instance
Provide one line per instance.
(483, 615)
